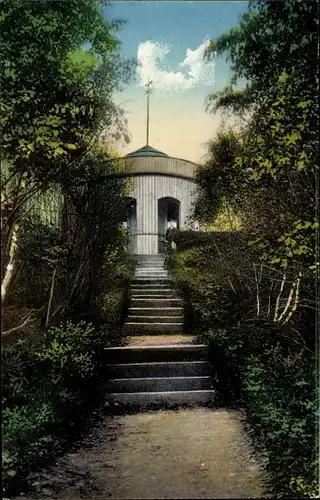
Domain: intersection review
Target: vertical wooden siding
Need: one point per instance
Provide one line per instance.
(147, 190)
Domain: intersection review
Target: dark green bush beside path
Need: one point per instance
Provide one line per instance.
(51, 381)
(259, 367)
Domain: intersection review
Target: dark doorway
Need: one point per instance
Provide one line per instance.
(168, 210)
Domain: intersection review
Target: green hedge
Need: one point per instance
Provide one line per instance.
(191, 239)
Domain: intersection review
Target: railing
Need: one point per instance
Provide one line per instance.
(164, 246)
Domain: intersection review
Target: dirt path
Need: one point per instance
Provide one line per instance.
(192, 453)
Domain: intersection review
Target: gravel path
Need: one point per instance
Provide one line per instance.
(190, 453)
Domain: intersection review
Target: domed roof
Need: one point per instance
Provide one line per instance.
(147, 151)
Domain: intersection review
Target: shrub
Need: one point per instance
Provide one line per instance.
(281, 408)
(112, 306)
(70, 351)
(27, 436)
(186, 240)
(266, 366)
(45, 384)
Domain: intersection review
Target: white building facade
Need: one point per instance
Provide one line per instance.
(162, 194)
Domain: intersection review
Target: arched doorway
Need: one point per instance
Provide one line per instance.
(129, 221)
(168, 210)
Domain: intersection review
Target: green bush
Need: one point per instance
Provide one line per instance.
(27, 436)
(260, 364)
(45, 384)
(281, 407)
(112, 306)
(186, 240)
(113, 298)
(70, 351)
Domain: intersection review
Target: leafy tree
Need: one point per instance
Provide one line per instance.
(56, 97)
(274, 48)
(216, 180)
(272, 38)
(271, 181)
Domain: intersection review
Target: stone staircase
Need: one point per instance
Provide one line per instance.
(153, 308)
(160, 367)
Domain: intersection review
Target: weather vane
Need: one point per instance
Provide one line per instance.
(148, 91)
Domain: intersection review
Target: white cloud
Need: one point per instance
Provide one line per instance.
(195, 69)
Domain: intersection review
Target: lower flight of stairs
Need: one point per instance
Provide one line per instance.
(173, 371)
(159, 376)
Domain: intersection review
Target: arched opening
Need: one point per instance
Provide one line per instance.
(129, 221)
(168, 212)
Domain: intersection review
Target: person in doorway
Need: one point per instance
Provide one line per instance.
(172, 226)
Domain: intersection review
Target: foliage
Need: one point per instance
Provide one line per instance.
(272, 38)
(38, 249)
(94, 215)
(27, 436)
(270, 182)
(56, 98)
(217, 183)
(61, 67)
(279, 165)
(267, 366)
(226, 220)
(55, 93)
(44, 386)
(70, 351)
(111, 303)
(48, 379)
(190, 239)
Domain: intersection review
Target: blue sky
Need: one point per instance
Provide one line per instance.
(159, 34)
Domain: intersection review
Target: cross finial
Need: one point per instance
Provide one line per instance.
(148, 92)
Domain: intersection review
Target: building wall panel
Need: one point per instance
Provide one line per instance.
(147, 190)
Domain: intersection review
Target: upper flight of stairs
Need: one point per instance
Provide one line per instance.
(153, 306)
(174, 370)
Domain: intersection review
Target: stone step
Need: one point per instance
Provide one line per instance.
(151, 286)
(154, 302)
(159, 369)
(161, 399)
(156, 353)
(163, 340)
(156, 311)
(150, 269)
(151, 291)
(152, 328)
(150, 257)
(151, 264)
(132, 318)
(151, 276)
(149, 281)
(159, 384)
(154, 296)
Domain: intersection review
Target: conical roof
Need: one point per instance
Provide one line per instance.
(147, 151)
